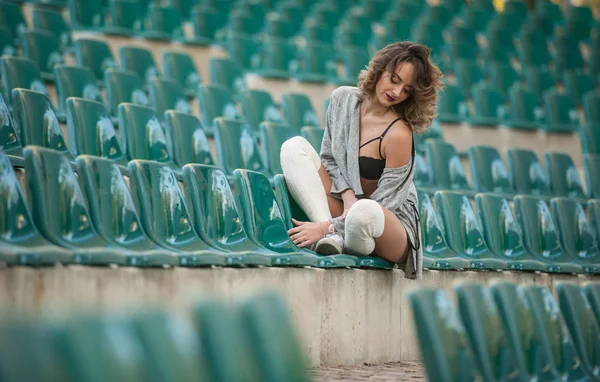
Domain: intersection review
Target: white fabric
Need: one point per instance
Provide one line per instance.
(364, 223)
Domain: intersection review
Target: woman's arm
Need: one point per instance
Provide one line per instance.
(397, 146)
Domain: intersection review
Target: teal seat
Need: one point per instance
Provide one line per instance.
(563, 176)
(7, 43)
(52, 21)
(577, 84)
(123, 86)
(241, 48)
(20, 72)
(9, 134)
(561, 114)
(590, 138)
(314, 63)
(190, 144)
(277, 25)
(445, 167)
(488, 171)
(127, 18)
(113, 213)
(592, 289)
(502, 76)
(258, 106)
(207, 22)
(91, 131)
(488, 102)
(236, 147)
(35, 121)
(526, 174)
(438, 14)
(460, 51)
(167, 94)
(481, 318)
(163, 23)
(452, 105)
(184, 7)
(86, 14)
(274, 58)
(272, 136)
(429, 33)
(20, 241)
(580, 319)
(298, 111)
(476, 18)
(43, 49)
(443, 341)
(461, 34)
(75, 81)
(314, 135)
(355, 59)
(538, 80)
(526, 111)
(376, 9)
(12, 19)
(422, 176)
(503, 232)
(578, 238)
(215, 101)
(397, 28)
(60, 211)
(500, 45)
(227, 73)
(593, 60)
(591, 167)
(533, 48)
(139, 61)
(591, 107)
(467, 73)
(180, 67)
(434, 132)
(567, 55)
(319, 31)
(542, 23)
(437, 253)
(165, 216)
(95, 55)
(550, 10)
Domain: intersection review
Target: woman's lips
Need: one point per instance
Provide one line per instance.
(390, 98)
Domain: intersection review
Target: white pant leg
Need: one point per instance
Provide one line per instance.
(364, 223)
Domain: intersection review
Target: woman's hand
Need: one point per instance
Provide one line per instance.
(349, 199)
(307, 233)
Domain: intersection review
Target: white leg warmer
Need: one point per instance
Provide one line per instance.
(300, 164)
(364, 223)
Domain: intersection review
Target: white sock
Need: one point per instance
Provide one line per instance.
(300, 164)
(364, 223)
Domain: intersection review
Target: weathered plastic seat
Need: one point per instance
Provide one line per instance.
(314, 135)
(9, 135)
(273, 58)
(258, 106)
(445, 167)
(526, 174)
(298, 111)
(164, 23)
(43, 49)
(314, 63)
(75, 81)
(7, 43)
(592, 289)
(167, 94)
(526, 111)
(86, 14)
(488, 170)
(190, 144)
(139, 61)
(561, 114)
(452, 105)
(563, 176)
(11, 17)
(215, 102)
(123, 86)
(576, 85)
(272, 136)
(126, 18)
(52, 21)
(228, 74)
(591, 167)
(490, 109)
(95, 55)
(180, 67)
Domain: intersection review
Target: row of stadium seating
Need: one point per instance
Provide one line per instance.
(509, 332)
(251, 340)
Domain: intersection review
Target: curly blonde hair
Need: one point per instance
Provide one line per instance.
(420, 108)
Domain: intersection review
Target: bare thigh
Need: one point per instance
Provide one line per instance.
(336, 206)
(393, 244)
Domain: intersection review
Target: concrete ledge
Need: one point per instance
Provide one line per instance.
(345, 317)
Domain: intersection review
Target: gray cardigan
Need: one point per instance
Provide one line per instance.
(395, 189)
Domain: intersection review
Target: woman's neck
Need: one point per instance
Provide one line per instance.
(371, 106)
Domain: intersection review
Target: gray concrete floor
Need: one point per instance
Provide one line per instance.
(397, 371)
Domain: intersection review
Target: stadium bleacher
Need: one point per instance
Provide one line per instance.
(146, 134)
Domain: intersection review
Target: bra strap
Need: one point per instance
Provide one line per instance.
(385, 132)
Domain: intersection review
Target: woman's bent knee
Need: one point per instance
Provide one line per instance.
(364, 223)
(298, 147)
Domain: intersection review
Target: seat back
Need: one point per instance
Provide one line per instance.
(215, 102)
(432, 227)
(236, 146)
(180, 67)
(53, 22)
(86, 13)
(75, 81)
(314, 135)
(591, 167)
(227, 73)
(20, 72)
(9, 133)
(95, 55)
(488, 170)
(445, 166)
(503, 232)
(258, 106)
(272, 137)
(190, 144)
(127, 15)
(43, 49)
(139, 61)
(526, 174)
(12, 17)
(165, 19)
(578, 237)
(167, 94)
(298, 111)
(562, 174)
(123, 86)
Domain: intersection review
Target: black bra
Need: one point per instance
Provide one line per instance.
(372, 168)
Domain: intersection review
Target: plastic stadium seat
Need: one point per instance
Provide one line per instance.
(43, 49)
(485, 5)
(429, 34)
(408, 9)
(422, 176)
(445, 348)
(206, 22)
(167, 94)
(464, 233)
(563, 176)
(184, 7)
(500, 44)
(376, 9)
(591, 166)
(517, 7)
(123, 86)
(510, 21)
(460, 34)
(582, 325)
(475, 18)
(467, 73)
(240, 49)
(314, 63)
(567, 55)
(227, 73)
(592, 289)
(278, 26)
(258, 106)
(165, 216)
(215, 101)
(35, 120)
(538, 80)
(91, 131)
(236, 146)
(561, 114)
(164, 23)
(526, 174)
(181, 68)
(314, 135)
(542, 23)
(397, 28)
(12, 19)
(533, 49)
(550, 10)
(272, 136)
(139, 61)
(591, 107)
(263, 221)
(325, 12)
(52, 21)
(75, 81)
(458, 51)
(577, 84)
(9, 137)
(314, 31)
(525, 109)
(578, 238)
(127, 18)
(438, 14)
(86, 14)
(355, 59)
(578, 21)
(590, 138)
(298, 111)
(190, 144)
(488, 171)
(21, 242)
(488, 102)
(593, 59)
(242, 21)
(95, 55)
(7, 43)
(483, 323)
(20, 72)
(355, 20)
(541, 236)
(502, 77)
(445, 167)
(434, 132)
(452, 105)
(113, 213)
(60, 211)
(273, 58)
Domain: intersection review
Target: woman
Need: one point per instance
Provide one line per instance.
(359, 194)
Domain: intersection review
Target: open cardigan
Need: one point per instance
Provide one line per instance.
(395, 189)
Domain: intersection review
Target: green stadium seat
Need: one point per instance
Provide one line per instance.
(314, 135)
(206, 21)
(590, 138)
(95, 55)
(438, 14)
(486, 5)
(538, 80)
(75, 81)
(563, 176)
(593, 59)
(215, 101)
(525, 109)
(517, 7)
(298, 111)
(91, 131)
(576, 85)
(460, 51)
(181, 68)
(185, 7)
(429, 34)
(355, 20)
(167, 94)
(502, 76)
(580, 319)
(397, 28)
(533, 48)
(561, 114)
(408, 9)
(315, 31)
(272, 136)
(113, 213)
(488, 171)
(467, 73)
(258, 106)
(510, 21)
(355, 59)
(227, 73)
(443, 341)
(240, 49)
(278, 26)
(591, 107)
(500, 45)
(164, 23)
(489, 106)
(190, 144)
(139, 61)
(52, 21)
(445, 167)
(20, 72)
(43, 49)
(550, 10)
(592, 289)
(127, 18)
(7, 43)
(461, 34)
(567, 54)
(314, 63)
(325, 13)
(240, 22)
(577, 236)
(464, 233)
(541, 236)
(452, 105)
(434, 132)
(481, 318)
(579, 21)
(11, 17)
(60, 211)
(86, 14)
(503, 232)
(165, 216)
(273, 58)
(475, 18)
(123, 86)
(9, 134)
(591, 166)
(542, 23)
(35, 120)
(375, 9)
(526, 174)
(236, 146)
(422, 176)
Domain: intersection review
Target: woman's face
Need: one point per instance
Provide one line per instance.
(394, 87)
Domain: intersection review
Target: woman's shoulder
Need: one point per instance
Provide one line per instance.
(344, 93)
